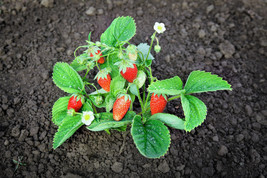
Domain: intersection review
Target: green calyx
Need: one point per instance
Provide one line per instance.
(159, 94)
(102, 74)
(71, 112)
(126, 97)
(124, 64)
(131, 49)
(78, 97)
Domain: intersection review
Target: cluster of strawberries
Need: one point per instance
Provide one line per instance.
(123, 102)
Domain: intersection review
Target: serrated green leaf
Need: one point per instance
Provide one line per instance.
(170, 120)
(195, 111)
(144, 49)
(201, 81)
(152, 139)
(121, 30)
(66, 78)
(117, 84)
(67, 129)
(79, 63)
(59, 110)
(105, 121)
(110, 99)
(172, 86)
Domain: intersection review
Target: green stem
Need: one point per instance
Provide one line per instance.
(128, 87)
(93, 106)
(153, 37)
(144, 92)
(97, 65)
(140, 100)
(86, 46)
(86, 73)
(174, 97)
(151, 81)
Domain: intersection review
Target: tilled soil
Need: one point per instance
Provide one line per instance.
(227, 38)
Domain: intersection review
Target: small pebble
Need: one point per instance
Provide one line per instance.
(222, 150)
(90, 11)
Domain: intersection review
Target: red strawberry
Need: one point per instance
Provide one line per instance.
(157, 103)
(130, 73)
(101, 60)
(75, 104)
(104, 79)
(104, 82)
(121, 107)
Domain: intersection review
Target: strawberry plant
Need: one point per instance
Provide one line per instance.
(124, 71)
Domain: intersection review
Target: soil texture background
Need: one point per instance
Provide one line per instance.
(227, 38)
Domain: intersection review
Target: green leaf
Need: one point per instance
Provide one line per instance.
(59, 110)
(117, 84)
(79, 63)
(170, 120)
(110, 99)
(121, 30)
(144, 49)
(66, 78)
(67, 129)
(105, 121)
(99, 92)
(195, 111)
(152, 139)
(172, 86)
(113, 58)
(133, 89)
(201, 81)
(132, 100)
(87, 106)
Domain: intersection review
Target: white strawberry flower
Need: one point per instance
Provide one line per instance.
(88, 117)
(159, 27)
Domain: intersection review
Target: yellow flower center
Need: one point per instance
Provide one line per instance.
(160, 28)
(87, 117)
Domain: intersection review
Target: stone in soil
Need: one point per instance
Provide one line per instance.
(227, 49)
(117, 167)
(47, 3)
(90, 11)
(164, 167)
(223, 150)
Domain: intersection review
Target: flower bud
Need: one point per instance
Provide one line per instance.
(157, 48)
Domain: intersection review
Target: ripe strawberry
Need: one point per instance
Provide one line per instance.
(104, 79)
(75, 103)
(101, 60)
(121, 107)
(130, 74)
(157, 103)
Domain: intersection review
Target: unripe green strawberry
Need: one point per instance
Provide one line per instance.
(121, 107)
(157, 103)
(99, 100)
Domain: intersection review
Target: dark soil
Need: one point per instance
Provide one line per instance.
(227, 38)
